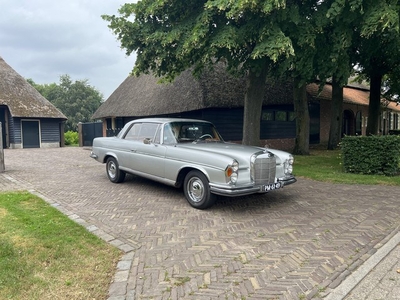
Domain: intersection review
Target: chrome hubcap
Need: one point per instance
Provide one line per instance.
(112, 170)
(195, 189)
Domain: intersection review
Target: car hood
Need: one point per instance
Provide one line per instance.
(239, 152)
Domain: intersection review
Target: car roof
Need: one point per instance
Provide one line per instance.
(166, 120)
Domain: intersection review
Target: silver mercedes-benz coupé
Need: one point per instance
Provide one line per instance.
(192, 154)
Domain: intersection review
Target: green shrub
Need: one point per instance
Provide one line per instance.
(371, 154)
(71, 138)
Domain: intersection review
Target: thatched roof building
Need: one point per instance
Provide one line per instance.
(28, 119)
(22, 99)
(218, 97)
(144, 96)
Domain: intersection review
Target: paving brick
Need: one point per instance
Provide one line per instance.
(279, 245)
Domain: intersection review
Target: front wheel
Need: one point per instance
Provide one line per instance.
(197, 190)
(113, 172)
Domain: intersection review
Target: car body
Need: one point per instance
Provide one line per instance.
(191, 154)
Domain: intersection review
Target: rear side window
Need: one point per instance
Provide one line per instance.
(148, 131)
(133, 132)
(142, 131)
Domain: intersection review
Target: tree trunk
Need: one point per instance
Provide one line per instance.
(374, 109)
(302, 143)
(253, 100)
(335, 132)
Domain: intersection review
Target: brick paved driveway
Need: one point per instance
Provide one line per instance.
(290, 244)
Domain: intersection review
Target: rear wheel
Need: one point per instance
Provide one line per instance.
(197, 190)
(113, 172)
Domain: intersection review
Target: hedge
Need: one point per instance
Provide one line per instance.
(371, 154)
(71, 138)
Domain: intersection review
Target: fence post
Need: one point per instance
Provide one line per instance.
(80, 134)
(2, 166)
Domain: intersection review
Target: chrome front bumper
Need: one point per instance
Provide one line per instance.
(287, 180)
(233, 191)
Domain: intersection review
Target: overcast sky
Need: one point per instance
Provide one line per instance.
(43, 39)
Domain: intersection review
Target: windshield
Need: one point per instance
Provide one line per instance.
(190, 132)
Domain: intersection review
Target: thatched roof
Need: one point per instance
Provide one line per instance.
(143, 96)
(22, 99)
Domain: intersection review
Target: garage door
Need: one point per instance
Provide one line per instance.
(30, 134)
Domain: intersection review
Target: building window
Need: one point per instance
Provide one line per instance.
(281, 116)
(278, 115)
(292, 116)
(267, 116)
(359, 123)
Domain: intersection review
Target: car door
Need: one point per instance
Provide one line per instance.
(149, 154)
(126, 147)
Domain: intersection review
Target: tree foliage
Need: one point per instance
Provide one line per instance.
(377, 51)
(170, 36)
(76, 100)
(304, 40)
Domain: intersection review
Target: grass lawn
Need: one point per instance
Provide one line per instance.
(45, 255)
(324, 165)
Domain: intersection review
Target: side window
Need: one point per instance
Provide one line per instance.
(148, 131)
(133, 132)
(171, 133)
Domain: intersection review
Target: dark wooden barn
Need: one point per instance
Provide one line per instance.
(28, 119)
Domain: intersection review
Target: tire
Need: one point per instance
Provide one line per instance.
(197, 190)
(113, 172)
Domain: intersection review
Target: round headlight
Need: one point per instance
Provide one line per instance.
(235, 166)
(231, 172)
(234, 177)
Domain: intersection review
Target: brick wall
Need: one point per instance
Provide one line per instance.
(325, 116)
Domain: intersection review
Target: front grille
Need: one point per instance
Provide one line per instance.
(264, 169)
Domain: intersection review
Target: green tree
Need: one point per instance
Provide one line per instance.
(304, 40)
(340, 34)
(302, 119)
(170, 36)
(378, 52)
(302, 28)
(379, 63)
(76, 100)
(321, 51)
(362, 33)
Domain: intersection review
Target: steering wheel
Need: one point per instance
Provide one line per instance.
(203, 137)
